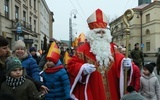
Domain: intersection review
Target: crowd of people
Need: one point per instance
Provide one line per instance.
(94, 70)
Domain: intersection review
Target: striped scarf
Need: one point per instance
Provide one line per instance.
(13, 82)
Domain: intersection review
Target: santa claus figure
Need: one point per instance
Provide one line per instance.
(95, 69)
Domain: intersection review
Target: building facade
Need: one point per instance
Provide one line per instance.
(144, 29)
(45, 22)
(19, 19)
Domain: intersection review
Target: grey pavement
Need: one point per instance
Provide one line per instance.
(150, 59)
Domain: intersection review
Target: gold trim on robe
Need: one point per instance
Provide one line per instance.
(87, 59)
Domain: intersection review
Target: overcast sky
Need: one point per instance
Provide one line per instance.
(62, 12)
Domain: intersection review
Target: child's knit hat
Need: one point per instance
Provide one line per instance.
(32, 49)
(12, 63)
(149, 67)
(19, 44)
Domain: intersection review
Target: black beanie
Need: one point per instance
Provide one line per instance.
(149, 67)
(3, 41)
(153, 63)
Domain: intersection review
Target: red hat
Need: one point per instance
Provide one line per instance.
(53, 53)
(97, 20)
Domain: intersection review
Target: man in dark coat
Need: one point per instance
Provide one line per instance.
(4, 53)
(137, 56)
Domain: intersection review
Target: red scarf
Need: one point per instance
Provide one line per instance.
(53, 69)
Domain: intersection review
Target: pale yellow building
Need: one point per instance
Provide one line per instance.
(144, 28)
(20, 19)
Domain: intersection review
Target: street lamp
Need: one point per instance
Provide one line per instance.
(73, 12)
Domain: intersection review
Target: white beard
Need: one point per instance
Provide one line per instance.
(100, 46)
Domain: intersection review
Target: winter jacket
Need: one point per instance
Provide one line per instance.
(137, 56)
(133, 96)
(37, 58)
(26, 91)
(31, 67)
(42, 61)
(3, 68)
(58, 83)
(2, 74)
(150, 87)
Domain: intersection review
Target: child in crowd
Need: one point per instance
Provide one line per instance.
(132, 94)
(28, 62)
(55, 77)
(123, 51)
(16, 84)
(34, 53)
(150, 87)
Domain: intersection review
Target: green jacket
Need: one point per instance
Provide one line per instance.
(137, 56)
(26, 91)
(133, 96)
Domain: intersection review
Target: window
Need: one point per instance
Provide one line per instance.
(24, 18)
(121, 25)
(147, 18)
(34, 25)
(30, 22)
(30, 3)
(147, 46)
(16, 12)
(34, 4)
(116, 28)
(147, 32)
(140, 2)
(6, 8)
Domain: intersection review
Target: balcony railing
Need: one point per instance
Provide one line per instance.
(25, 26)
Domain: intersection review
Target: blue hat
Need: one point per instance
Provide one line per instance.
(32, 49)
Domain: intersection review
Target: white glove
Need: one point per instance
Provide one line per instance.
(88, 68)
(127, 62)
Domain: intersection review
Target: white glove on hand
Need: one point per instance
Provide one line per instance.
(88, 68)
(127, 62)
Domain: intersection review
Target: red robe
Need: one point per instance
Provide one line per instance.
(95, 87)
(133, 78)
(135, 82)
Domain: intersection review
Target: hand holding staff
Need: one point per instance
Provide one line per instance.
(128, 15)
